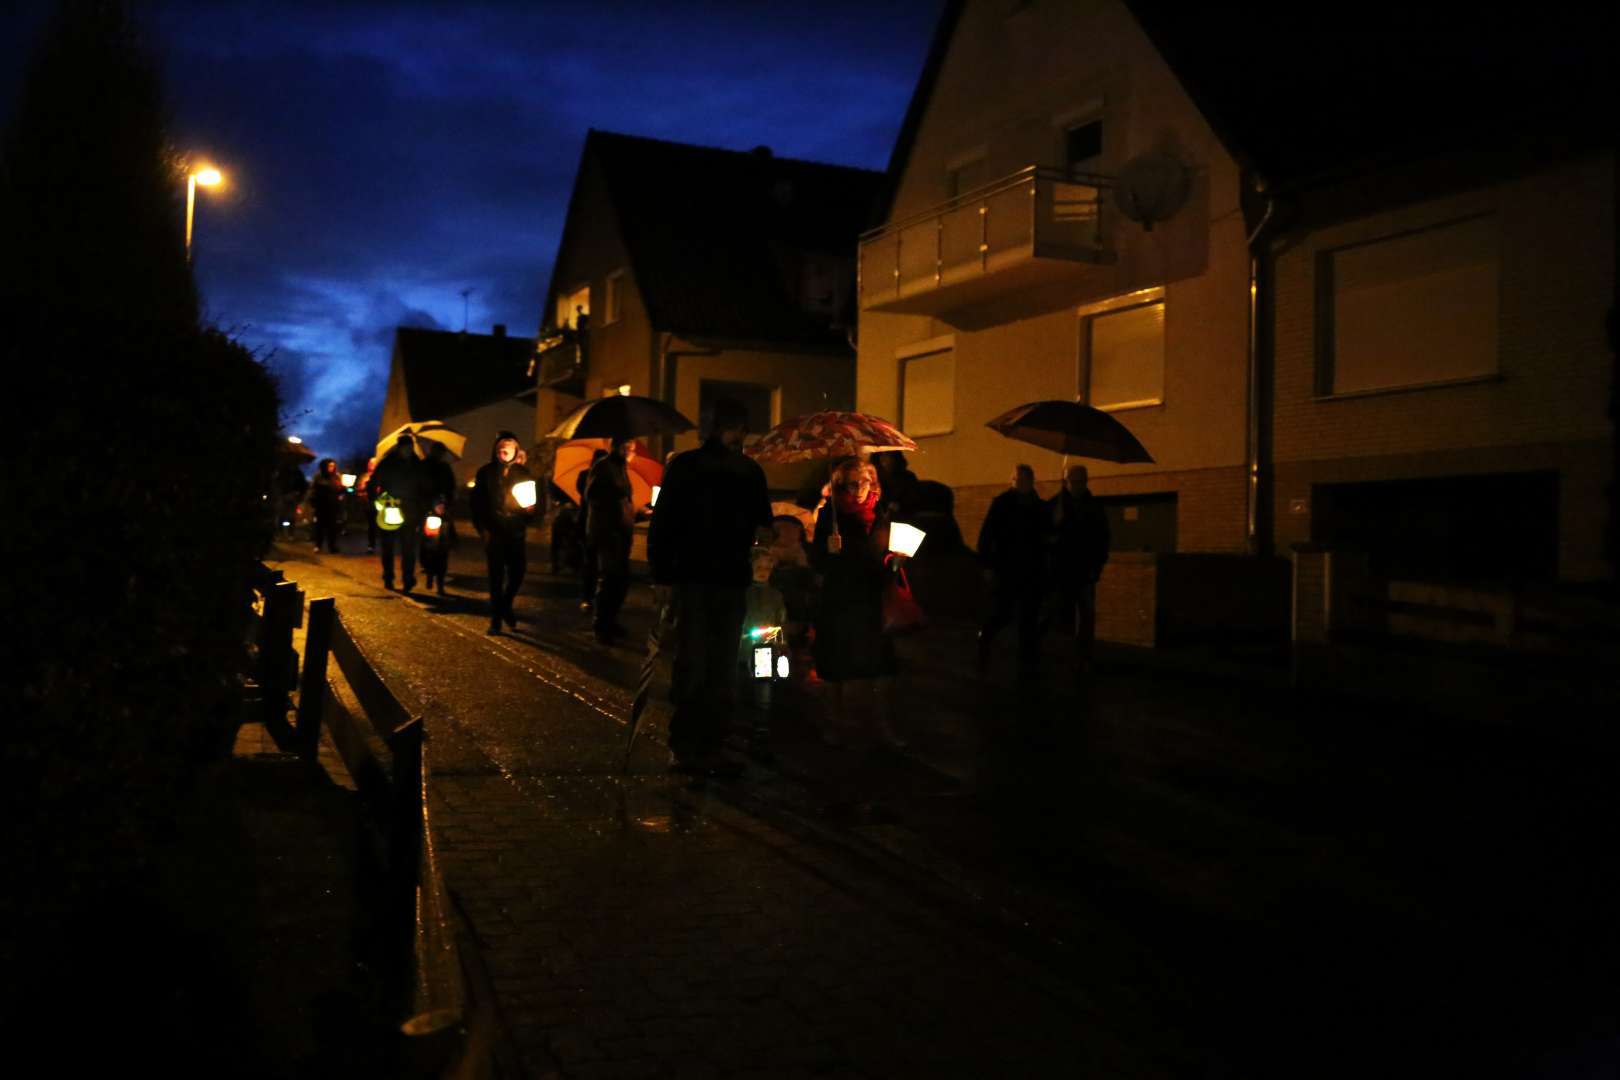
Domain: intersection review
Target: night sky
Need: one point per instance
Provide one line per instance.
(384, 157)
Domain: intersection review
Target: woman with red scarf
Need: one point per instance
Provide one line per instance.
(851, 543)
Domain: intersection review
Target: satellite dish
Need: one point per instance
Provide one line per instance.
(1152, 187)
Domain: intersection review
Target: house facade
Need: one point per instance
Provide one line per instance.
(687, 273)
(1007, 271)
(478, 384)
(1377, 316)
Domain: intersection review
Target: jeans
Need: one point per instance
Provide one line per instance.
(708, 625)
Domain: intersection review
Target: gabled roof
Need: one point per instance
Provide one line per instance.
(1302, 94)
(713, 234)
(447, 373)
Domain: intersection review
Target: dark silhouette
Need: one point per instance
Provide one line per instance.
(1079, 552)
(610, 517)
(403, 477)
(713, 507)
(1012, 550)
(503, 526)
(587, 556)
(326, 499)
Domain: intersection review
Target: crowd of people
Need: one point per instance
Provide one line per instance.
(725, 564)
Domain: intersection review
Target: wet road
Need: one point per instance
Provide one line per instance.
(646, 925)
(1179, 878)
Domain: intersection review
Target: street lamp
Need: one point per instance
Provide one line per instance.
(207, 176)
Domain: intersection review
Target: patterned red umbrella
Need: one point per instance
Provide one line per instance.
(829, 435)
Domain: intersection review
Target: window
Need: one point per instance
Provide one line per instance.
(1122, 351)
(966, 172)
(1083, 147)
(571, 306)
(760, 401)
(613, 298)
(1409, 310)
(928, 388)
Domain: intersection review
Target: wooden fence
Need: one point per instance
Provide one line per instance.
(450, 1027)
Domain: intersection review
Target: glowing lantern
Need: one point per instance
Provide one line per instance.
(762, 661)
(433, 524)
(904, 539)
(656, 490)
(524, 494)
(348, 479)
(393, 516)
(781, 667)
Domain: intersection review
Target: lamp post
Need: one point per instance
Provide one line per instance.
(207, 176)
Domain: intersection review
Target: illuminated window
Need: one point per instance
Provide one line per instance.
(928, 388)
(613, 298)
(572, 306)
(1409, 310)
(1123, 355)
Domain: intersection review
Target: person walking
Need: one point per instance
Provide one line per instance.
(503, 526)
(587, 555)
(441, 475)
(713, 507)
(367, 498)
(1079, 553)
(850, 548)
(1012, 551)
(609, 528)
(326, 500)
(401, 476)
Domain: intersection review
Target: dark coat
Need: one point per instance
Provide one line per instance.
(850, 642)
(711, 504)
(326, 494)
(607, 493)
(404, 476)
(493, 508)
(1081, 538)
(1012, 541)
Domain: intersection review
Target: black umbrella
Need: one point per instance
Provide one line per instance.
(621, 416)
(1069, 427)
(655, 639)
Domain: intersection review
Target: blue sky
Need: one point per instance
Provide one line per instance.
(384, 157)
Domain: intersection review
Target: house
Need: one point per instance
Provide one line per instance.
(1433, 213)
(686, 272)
(478, 384)
(1132, 204)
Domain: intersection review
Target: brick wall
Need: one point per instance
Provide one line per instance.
(1127, 600)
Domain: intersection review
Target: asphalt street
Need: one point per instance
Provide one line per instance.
(1176, 883)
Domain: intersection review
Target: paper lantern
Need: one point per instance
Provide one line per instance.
(654, 500)
(433, 525)
(762, 661)
(905, 539)
(781, 667)
(524, 494)
(393, 516)
(348, 479)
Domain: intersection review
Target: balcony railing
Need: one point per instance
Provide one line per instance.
(1035, 225)
(560, 356)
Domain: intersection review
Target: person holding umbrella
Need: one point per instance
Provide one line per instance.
(713, 507)
(1079, 552)
(502, 521)
(401, 475)
(610, 520)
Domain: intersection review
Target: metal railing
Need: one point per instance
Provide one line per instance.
(560, 357)
(1037, 206)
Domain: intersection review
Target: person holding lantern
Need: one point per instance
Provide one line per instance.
(610, 518)
(401, 480)
(504, 497)
(326, 499)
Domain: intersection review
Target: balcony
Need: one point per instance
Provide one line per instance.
(560, 356)
(1037, 227)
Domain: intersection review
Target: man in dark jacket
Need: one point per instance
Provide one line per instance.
(326, 498)
(1079, 552)
(609, 528)
(441, 475)
(403, 476)
(714, 505)
(1012, 550)
(503, 526)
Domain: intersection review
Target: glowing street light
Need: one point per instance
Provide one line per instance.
(207, 176)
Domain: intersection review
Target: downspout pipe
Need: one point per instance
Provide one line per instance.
(1256, 543)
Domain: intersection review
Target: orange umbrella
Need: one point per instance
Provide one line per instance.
(574, 457)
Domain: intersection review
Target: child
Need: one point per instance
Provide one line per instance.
(765, 611)
(436, 546)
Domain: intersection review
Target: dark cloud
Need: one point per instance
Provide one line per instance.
(385, 157)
